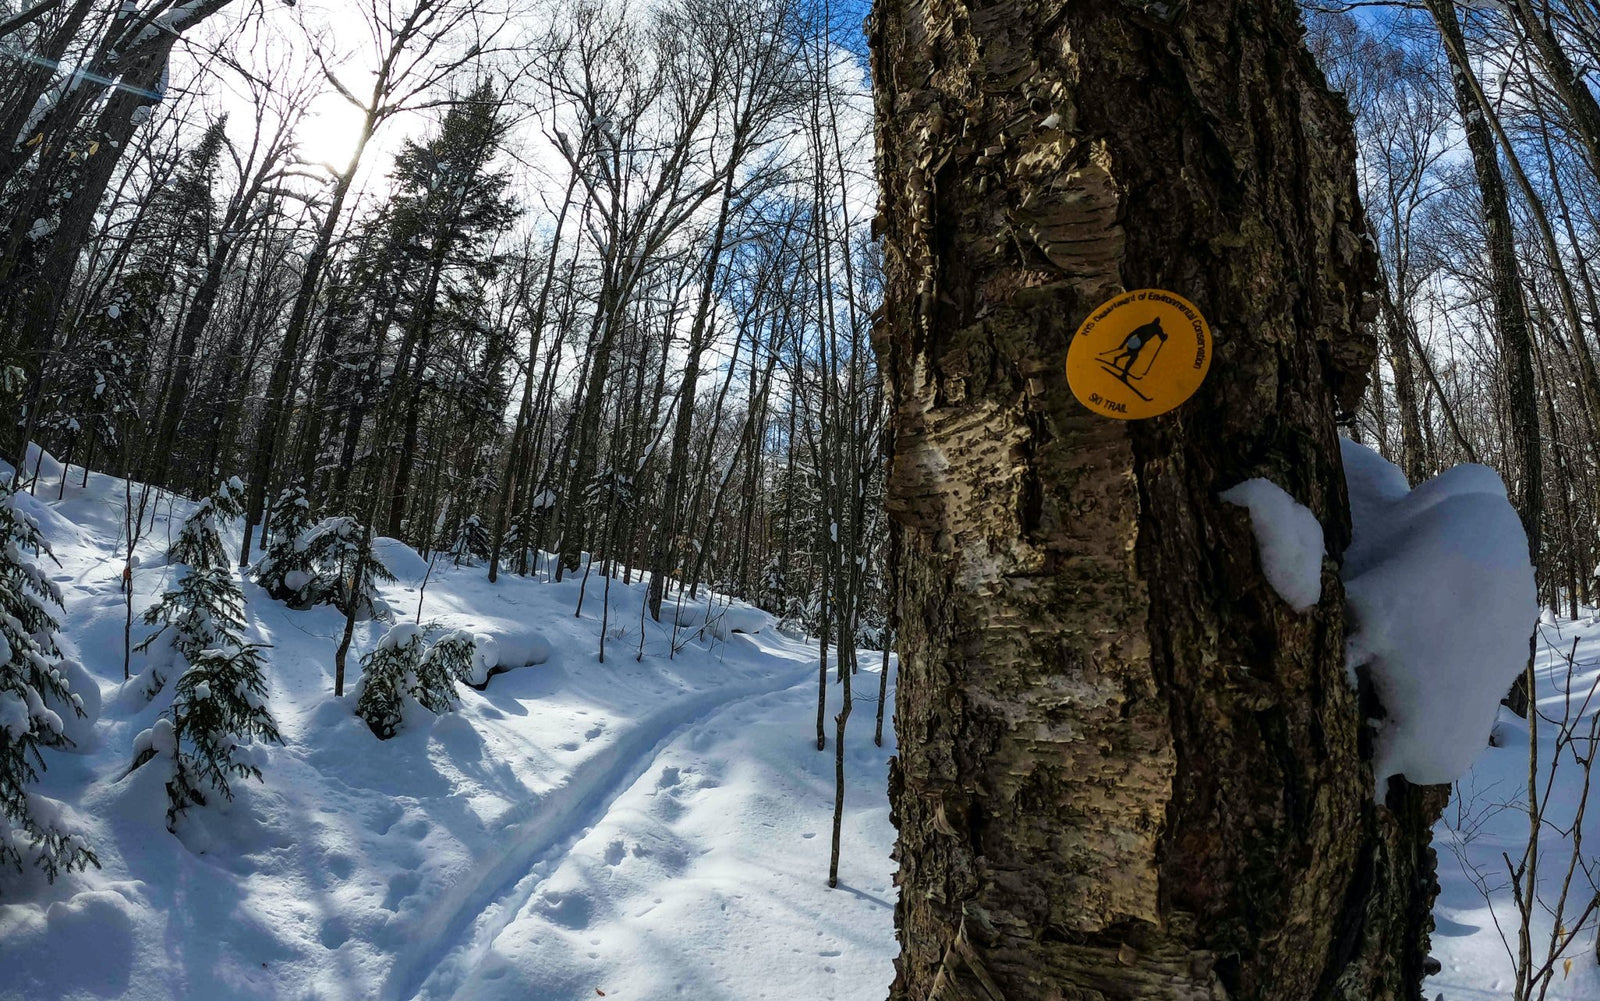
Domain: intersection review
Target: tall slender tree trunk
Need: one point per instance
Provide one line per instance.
(1127, 769)
(1511, 319)
(664, 545)
(275, 415)
(1400, 332)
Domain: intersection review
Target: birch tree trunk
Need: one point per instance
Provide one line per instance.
(1127, 769)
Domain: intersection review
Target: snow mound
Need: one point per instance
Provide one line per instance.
(1289, 538)
(78, 947)
(495, 654)
(42, 463)
(1441, 600)
(723, 620)
(403, 561)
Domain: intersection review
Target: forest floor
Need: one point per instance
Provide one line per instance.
(1484, 832)
(645, 827)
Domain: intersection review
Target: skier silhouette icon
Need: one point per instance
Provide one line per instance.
(1130, 351)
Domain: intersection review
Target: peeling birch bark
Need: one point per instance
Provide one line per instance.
(1127, 769)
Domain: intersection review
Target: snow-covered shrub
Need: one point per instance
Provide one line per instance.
(30, 678)
(199, 542)
(1441, 599)
(403, 671)
(388, 677)
(447, 661)
(341, 551)
(285, 570)
(317, 564)
(220, 707)
(470, 544)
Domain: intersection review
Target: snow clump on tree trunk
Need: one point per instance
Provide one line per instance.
(1441, 598)
(1289, 538)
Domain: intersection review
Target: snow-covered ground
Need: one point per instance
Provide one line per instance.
(1476, 917)
(638, 828)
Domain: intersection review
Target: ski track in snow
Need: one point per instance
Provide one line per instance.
(483, 902)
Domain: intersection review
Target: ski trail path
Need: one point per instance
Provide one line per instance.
(473, 911)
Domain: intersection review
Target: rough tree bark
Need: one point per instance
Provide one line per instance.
(1127, 769)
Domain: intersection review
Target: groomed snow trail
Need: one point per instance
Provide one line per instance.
(470, 914)
(705, 876)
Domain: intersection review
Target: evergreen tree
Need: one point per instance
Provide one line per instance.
(94, 380)
(334, 549)
(286, 571)
(448, 661)
(388, 677)
(204, 611)
(220, 706)
(470, 542)
(30, 679)
(199, 542)
(399, 672)
(206, 608)
(220, 700)
(448, 211)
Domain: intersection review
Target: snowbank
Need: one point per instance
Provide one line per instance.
(404, 562)
(500, 652)
(1289, 538)
(1441, 600)
(722, 620)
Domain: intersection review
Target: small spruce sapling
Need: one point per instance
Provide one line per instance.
(348, 569)
(205, 611)
(286, 571)
(220, 707)
(403, 669)
(199, 542)
(30, 678)
(471, 543)
(206, 608)
(316, 564)
(388, 676)
(219, 702)
(448, 661)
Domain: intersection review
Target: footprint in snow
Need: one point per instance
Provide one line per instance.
(569, 910)
(400, 887)
(385, 817)
(335, 932)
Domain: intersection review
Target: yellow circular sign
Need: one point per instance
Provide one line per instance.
(1139, 355)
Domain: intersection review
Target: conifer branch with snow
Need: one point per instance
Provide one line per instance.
(31, 830)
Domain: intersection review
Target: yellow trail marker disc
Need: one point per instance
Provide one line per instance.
(1139, 355)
